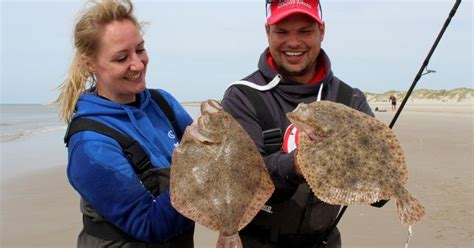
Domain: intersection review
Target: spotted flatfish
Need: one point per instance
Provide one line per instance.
(218, 177)
(348, 157)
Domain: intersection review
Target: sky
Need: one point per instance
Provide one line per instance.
(198, 48)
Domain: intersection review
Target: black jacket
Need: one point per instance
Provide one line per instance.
(291, 191)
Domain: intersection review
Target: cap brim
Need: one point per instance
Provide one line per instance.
(280, 16)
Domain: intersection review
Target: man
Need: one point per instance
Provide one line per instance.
(393, 100)
(293, 69)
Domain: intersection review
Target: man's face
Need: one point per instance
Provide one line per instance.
(294, 44)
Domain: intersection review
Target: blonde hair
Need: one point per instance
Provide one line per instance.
(87, 33)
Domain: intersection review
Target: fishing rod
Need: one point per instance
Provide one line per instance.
(405, 99)
(425, 63)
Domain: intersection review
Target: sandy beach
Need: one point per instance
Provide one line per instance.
(40, 209)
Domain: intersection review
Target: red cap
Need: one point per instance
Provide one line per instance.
(283, 8)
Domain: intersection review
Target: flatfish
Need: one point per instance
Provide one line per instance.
(218, 177)
(348, 157)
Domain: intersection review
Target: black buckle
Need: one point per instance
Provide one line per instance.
(138, 157)
(272, 140)
(272, 136)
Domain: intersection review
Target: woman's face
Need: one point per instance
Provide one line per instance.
(120, 63)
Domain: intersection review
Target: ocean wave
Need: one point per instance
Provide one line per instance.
(21, 134)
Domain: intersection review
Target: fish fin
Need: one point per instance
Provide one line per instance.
(265, 190)
(187, 209)
(340, 196)
(409, 209)
(231, 241)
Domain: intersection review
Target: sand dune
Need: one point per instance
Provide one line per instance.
(427, 96)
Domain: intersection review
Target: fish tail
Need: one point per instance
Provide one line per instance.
(409, 209)
(231, 241)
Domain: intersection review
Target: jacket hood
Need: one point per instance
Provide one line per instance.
(89, 104)
(293, 92)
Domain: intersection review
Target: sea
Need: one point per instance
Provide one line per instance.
(20, 121)
(31, 138)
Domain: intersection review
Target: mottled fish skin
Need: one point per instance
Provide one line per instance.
(232, 241)
(218, 177)
(348, 157)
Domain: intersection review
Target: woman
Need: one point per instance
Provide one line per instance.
(118, 210)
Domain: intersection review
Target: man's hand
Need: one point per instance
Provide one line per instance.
(295, 162)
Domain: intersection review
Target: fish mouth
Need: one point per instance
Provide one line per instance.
(299, 116)
(211, 106)
(314, 133)
(195, 134)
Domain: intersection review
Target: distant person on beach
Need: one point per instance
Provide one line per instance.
(293, 69)
(393, 100)
(125, 200)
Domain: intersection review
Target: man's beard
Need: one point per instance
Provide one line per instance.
(310, 67)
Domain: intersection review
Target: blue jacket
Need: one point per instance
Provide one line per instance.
(99, 170)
